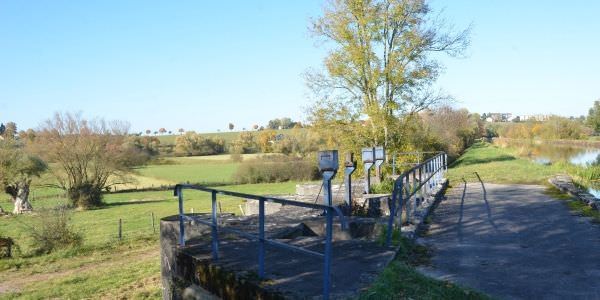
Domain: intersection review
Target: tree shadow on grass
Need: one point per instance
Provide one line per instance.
(475, 161)
(134, 202)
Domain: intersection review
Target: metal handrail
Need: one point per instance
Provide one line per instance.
(433, 169)
(329, 213)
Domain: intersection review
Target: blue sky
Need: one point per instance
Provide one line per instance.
(202, 65)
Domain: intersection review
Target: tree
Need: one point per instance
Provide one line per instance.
(89, 156)
(593, 118)
(162, 130)
(181, 130)
(192, 143)
(148, 131)
(255, 126)
(10, 130)
(231, 126)
(17, 170)
(381, 65)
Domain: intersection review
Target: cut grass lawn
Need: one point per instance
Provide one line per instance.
(497, 165)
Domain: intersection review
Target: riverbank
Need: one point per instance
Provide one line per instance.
(590, 143)
(502, 163)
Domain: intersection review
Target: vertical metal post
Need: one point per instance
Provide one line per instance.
(408, 202)
(414, 179)
(261, 238)
(421, 183)
(181, 225)
(446, 163)
(214, 232)
(388, 238)
(327, 196)
(328, 253)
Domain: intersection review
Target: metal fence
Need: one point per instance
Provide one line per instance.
(412, 186)
(260, 236)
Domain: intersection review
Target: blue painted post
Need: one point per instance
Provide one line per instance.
(400, 202)
(446, 163)
(181, 227)
(408, 203)
(261, 238)
(214, 232)
(388, 238)
(414, 190)
(328, 254)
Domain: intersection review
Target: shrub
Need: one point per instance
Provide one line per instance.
(276, 169)
(54, 231)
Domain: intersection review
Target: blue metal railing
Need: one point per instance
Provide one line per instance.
(421, 178)
(329, 214)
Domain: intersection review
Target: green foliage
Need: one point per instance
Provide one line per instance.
(245, 143)
(192, 143)
(276, 169)
(381, 63)
(53, 230)
(384, 187)
(593, 118)
(554, 128)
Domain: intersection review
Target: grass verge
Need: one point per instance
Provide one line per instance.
(400, 279)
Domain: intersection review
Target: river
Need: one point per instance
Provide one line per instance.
(544, 153)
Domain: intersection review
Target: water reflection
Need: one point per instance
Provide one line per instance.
(547, 154)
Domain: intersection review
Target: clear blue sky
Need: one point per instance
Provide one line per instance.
(200, 65)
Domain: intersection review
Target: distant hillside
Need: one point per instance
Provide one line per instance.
(227, 136)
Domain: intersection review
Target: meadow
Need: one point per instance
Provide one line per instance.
(105, 266)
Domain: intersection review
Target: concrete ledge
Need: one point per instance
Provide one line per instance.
(565, 184)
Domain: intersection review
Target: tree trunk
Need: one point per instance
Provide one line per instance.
(21, 200)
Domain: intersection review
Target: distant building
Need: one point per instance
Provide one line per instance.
(499, 117)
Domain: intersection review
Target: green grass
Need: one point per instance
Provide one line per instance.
(205, 173)
(400, 279)
(497, 165)
(90, 271)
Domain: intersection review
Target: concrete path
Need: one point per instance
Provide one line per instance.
(514, 242)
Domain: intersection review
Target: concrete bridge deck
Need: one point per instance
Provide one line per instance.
(514, 242)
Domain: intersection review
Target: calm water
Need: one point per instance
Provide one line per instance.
(547, 154)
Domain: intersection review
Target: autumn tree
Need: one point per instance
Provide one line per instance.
(17, 170)
(88, 156)
(162, 130)
(192, 143)
(381, 64)
(231, 126)
(10, 131)
(593, 118)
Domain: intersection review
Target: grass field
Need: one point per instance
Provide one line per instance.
(104, 267)
(498, 165)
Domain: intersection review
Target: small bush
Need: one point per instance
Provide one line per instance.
(385, 187)
(276, 169)
(54, 231)
(85, 195)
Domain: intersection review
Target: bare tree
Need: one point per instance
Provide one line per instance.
(90, 155)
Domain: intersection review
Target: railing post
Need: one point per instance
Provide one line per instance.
(414, 190)
(445, 163)
(407, 187)
(392, 205)
(261, 238)
(328, 254)
(181, 225)
(214, 232)
(400, 201)
(421, 183)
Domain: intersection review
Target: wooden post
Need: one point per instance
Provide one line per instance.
(120, 229)
(153, 226)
